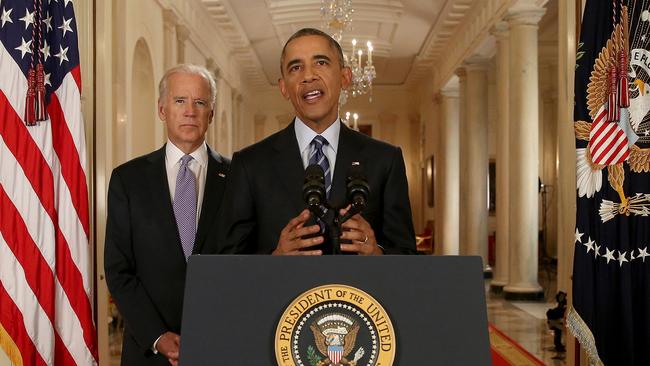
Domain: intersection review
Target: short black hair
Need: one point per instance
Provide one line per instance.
(313, 32)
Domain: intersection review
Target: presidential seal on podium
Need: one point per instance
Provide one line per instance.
(335, 325)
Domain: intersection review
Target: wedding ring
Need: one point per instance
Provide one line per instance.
(365, 240)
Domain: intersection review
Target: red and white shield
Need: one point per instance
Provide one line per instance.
(335, 353)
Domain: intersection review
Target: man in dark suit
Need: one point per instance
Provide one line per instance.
(160, 209)
(265, 212)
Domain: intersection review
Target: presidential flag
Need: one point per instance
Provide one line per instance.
(611, 274)
(45, 279)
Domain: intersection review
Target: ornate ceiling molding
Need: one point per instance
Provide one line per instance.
(479, 20)
(436, 44)
(231, 31)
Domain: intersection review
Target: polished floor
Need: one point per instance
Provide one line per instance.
(523, 322)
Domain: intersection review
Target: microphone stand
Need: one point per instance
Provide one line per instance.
(334, 221)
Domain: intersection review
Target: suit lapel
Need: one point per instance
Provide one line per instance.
(288, 166)
(215, 178)
(163, 211)
(348, 151)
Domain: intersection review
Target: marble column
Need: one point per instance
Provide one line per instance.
(461, 73)
(182, 34)
(523, 19)
(170, 20)
(474, 161)
(500, 272)
(449, 172)
(238, 129)
(214, 126)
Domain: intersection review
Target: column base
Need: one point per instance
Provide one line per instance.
(519, 295)
(487, 272)
(496, 287)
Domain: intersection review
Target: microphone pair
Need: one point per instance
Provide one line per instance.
(314, 190)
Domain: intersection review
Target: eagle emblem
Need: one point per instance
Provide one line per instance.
(335, 336)
(618, 100)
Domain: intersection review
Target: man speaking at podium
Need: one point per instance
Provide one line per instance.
(265, 212)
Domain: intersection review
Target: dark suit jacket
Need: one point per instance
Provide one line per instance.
(143, 259)
(265, 191)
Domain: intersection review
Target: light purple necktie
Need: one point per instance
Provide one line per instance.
(185, 205)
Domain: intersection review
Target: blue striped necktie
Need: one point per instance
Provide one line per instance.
(317, 156)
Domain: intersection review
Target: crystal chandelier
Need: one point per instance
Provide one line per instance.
(337, 16)
(355, 124)
(362, 75)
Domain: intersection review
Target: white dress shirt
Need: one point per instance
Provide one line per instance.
(198, 166)
(305, 135)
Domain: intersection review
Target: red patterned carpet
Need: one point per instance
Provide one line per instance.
(506, 352)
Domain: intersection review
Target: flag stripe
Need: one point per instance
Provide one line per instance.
(70, 326)
(602, 137)
(66, 145)
(76, 74)
(12, 321)
(37, 325)
(17, 143)
(71, 169)
(43, 231)
(20, 242)
(607, 141)
(42, 136)
(37, 272)
(616, 148)
(606, 148)
(74, 207)
(69, 97)
(39, 175)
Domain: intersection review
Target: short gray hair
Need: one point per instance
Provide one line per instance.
(189, 69)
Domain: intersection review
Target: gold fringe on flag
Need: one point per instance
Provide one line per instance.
(583, 334)
(10, 348)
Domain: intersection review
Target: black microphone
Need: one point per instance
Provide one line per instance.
(358, 189)
(313, 189)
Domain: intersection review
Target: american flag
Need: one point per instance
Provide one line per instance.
(45, 278)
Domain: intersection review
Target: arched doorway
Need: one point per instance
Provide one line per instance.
(141, 129)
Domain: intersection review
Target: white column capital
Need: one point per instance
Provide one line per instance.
(239, 97)
(450, 92)
(461, 72)
(526, 12)
(501, 30)
(476, 63)
(170, 19)
(182, 33)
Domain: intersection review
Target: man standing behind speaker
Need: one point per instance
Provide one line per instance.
(160, 209)
(265, 212)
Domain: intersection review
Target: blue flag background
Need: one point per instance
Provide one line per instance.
(611, 275)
